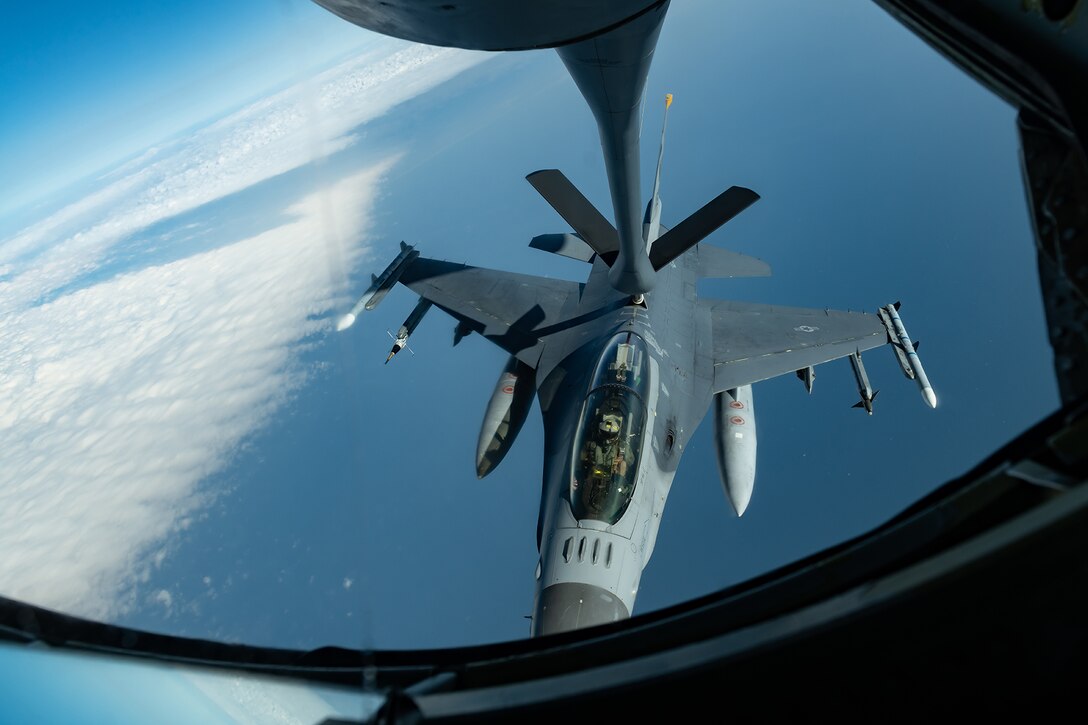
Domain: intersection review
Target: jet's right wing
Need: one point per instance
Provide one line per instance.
(753, 342)
(514, 311)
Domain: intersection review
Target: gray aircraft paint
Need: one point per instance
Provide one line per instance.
(610, 71)
(904, 345)
(489, 24)
(379, 287)
(590, 569)
(865, 390)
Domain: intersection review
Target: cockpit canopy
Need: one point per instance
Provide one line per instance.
(608, 446)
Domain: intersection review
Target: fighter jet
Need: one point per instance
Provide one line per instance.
(624, 380)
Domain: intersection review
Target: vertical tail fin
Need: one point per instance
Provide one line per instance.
(652, 222)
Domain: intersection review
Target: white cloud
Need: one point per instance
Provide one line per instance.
(165, 598)
(119, 398)
(269, 137)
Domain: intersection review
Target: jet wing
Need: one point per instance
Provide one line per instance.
(753, 342)
(511, 310)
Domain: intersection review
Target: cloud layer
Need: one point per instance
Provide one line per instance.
(284, 131)
(120, 397)
(117, 398)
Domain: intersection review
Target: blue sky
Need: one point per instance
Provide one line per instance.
(291, 503)
(88, 85)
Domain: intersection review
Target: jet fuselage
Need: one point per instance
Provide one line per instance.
(591, 560)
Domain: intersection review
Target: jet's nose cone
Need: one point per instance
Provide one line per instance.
(567, 606)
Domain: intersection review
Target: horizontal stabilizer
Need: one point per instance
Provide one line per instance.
(717, 263)
(565, 245)
(701, 224)
(590, 224)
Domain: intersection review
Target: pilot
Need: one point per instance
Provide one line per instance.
(610, 425)
(596, 454)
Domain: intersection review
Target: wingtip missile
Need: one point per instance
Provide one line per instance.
(930, 397)
(388, 279)
(380, 285)
(893, 340)
(905, 349)
(345, 322)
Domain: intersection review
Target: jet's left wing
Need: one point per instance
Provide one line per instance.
(754, 342)
(511, 310)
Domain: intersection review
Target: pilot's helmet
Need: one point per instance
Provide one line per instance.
(610, 425)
